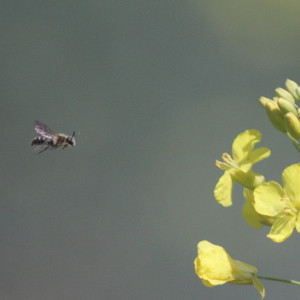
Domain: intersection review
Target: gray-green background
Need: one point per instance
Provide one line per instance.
(158, 91)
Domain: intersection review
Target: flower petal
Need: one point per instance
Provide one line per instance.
(282, 228)
(259, 287)
(291, 180)
(249, 213)
(267, 199)
(214, 266)
(251, 216)
(223, 189)
(244, 144)
(259, 154)
(298, 223)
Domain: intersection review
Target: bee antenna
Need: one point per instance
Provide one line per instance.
(73, 135)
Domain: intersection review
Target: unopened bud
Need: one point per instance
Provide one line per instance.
(291, 86)
(292, 125)
(286, 106)
(282, 93)
(275, 116)
(298, 92)
(263, 101)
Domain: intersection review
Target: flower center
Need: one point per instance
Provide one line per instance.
(229, 161)
(289, 206)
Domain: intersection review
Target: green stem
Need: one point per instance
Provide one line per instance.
(294, 141)
(278, 279)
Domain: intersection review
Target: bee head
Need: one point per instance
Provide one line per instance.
(71, 139)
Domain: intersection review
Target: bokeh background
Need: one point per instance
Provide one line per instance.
(158, 91)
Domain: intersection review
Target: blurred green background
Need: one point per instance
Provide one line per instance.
(158, 91)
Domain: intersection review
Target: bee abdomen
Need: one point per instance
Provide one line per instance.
(38, 141)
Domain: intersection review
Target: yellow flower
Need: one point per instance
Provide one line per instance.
(214, 266)
(270, 199)
(239, 167)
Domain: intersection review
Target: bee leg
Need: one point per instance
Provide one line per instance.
(43, 150)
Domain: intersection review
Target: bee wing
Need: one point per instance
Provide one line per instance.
(43, 130)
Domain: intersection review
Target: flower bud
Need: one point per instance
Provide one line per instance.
(263, 101)
(291, 86)
(275, 116)
(286, 106)
(292, 125)
(281, 93)
(298, 92)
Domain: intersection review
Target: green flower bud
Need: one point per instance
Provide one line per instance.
(281, 93)
(292, 125)
(298, 92)
(286, 106)
(263, 101)
(291, 86)
(275, 116)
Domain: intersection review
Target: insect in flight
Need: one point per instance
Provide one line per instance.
(48, 139)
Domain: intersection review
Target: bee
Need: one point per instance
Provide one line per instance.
(48, 139)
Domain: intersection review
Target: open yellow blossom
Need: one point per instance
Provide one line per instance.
(214, 266)
(238, 167)
(270, 199)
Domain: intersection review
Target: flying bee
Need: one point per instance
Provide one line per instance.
(48, 139)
